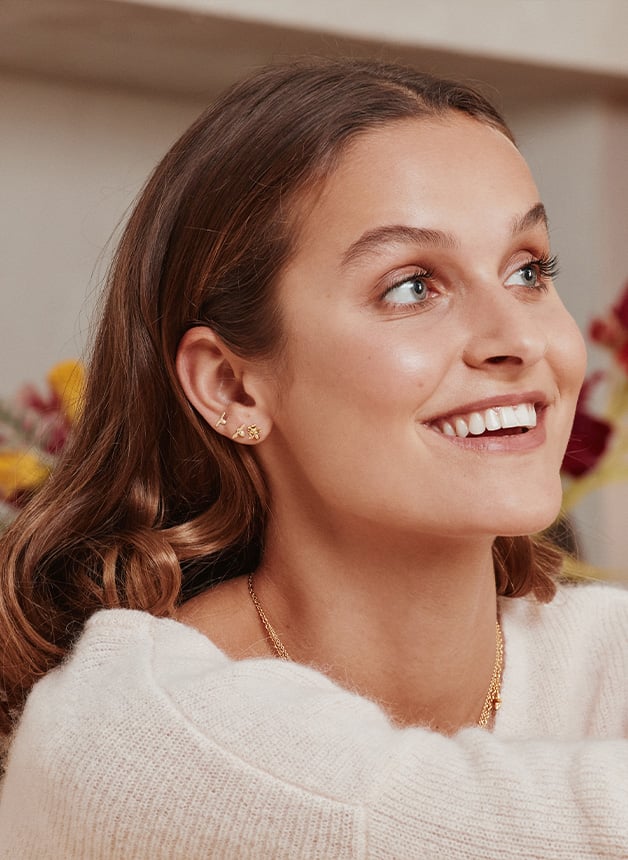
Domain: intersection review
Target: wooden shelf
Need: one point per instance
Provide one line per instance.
(194, 49)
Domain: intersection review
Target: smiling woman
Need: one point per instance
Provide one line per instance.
(326, 408)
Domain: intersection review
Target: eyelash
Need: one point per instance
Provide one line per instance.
(419, 274)
(546, 266)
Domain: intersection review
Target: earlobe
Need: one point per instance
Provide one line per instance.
(221, 386)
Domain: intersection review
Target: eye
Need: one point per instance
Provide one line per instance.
(527, 276)
(412, 290)
(534, 274)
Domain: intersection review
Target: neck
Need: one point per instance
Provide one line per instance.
(404, 621)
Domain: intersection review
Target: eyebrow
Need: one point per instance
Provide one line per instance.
(372, 240)
(537, 215)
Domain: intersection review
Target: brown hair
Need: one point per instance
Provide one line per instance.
(149, 505)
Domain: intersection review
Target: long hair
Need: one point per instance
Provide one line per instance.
(149, 505)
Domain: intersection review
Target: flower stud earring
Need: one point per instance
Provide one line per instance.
(254, 432)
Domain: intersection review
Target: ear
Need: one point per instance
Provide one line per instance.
(227, 391)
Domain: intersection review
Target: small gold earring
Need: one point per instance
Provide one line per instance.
(222, 420)
(254, 432)
(239, 433)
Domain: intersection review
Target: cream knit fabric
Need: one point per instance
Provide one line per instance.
(150, 743)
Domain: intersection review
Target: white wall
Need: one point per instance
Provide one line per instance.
(563, 143)
(577, 151)
(71, 160)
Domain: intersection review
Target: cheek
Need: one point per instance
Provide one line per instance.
(358, 363)
(391, 369)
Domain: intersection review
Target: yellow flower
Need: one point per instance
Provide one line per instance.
(67, 380)
(20, 470)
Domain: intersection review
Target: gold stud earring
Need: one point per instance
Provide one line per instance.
(254, 432)
(222, 420)
(239, 433)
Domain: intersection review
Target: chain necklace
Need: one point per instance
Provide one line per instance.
(277, 644)
(492, 702)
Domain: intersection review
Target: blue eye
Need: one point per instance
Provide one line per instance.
(534, 274)
(527, 276)
(410, 291)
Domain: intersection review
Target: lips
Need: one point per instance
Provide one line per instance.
(496, 420)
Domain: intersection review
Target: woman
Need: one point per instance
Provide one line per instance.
(330, 392)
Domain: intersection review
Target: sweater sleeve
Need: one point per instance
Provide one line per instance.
(151, 744)
(482, 797)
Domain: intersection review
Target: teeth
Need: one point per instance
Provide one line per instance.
(494, 418)
(491, 419)
(526, 413)
(476, 424)
(509, 417)
(462, 428)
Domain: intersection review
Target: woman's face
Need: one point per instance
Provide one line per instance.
(431, 370)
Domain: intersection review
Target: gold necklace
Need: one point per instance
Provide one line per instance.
(277, 644)
(492, 702)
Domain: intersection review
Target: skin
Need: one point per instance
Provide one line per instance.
(378, 561)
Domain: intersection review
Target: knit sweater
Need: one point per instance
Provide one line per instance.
(148, 742)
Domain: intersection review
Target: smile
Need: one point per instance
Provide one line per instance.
(496, 420)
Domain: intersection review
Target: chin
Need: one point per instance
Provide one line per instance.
(519, 518)
(531, 526)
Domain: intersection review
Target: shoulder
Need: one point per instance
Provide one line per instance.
(155, 690)
(149, 725)
(597, 612)
(567, 663)
(167, 670)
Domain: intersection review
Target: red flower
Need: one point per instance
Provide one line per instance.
(608, 332)
(622, 357)
(589, 435)
(620, 308)
(611, 330)
(30, 398)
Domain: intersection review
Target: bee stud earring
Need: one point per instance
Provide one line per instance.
(239, 433)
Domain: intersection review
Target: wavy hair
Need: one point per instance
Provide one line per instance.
(149, 505)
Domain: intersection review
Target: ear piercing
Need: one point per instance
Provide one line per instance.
(252, 430)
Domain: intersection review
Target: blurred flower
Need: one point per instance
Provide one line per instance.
(67, 381)
(34, 428)
(620, 308)
(611, 330)
(589, 435)
(597, 452)
(20, 471)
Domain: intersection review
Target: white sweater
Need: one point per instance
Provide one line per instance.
(150, 743)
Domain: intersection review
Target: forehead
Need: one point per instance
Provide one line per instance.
(452, 174)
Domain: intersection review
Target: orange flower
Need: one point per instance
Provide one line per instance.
(20, 471)
(67, 380)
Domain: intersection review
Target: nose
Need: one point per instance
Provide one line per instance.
(504, 329)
